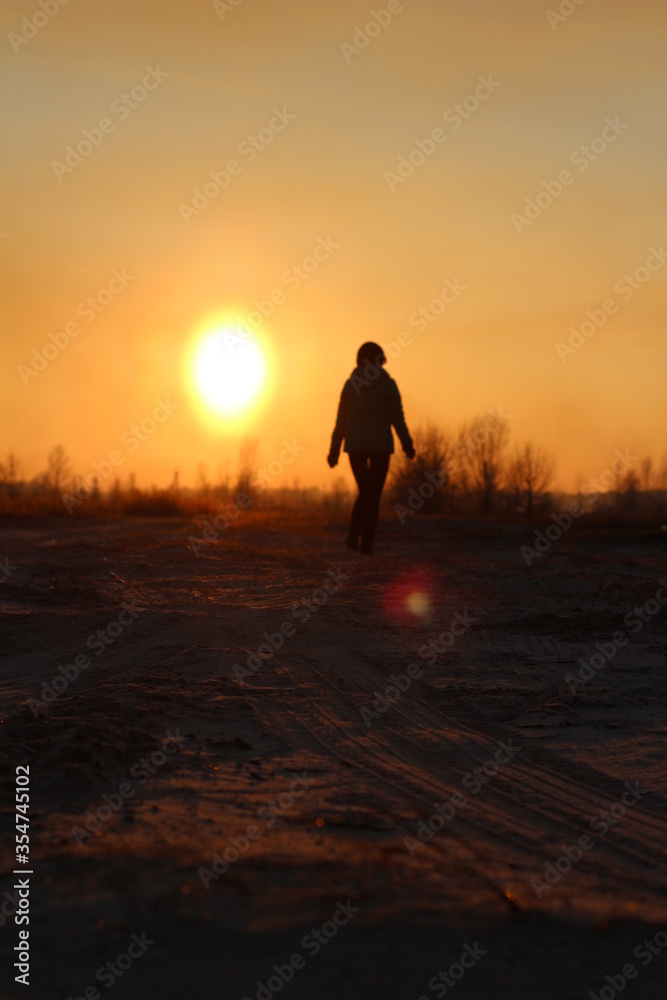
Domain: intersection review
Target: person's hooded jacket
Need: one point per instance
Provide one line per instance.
(370, 405)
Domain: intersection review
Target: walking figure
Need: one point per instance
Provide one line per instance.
(370, 405)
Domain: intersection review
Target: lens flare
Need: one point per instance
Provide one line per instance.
(418, 603)
(409, 598)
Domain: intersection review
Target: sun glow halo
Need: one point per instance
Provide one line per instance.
(229, 371)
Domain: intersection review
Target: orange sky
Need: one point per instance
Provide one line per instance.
(220, 76)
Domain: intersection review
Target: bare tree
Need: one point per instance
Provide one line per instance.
(479, 456)
(203, 483)
(646, 470)
(662, 472)
(431, 468)
(247, 468)
(115, 495)
(529, 474)
(10, 473)
(338, 496)
(627, 488)
(58, 468)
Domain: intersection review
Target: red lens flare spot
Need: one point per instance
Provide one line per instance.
(410, 597)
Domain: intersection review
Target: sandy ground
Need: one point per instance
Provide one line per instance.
(191, 753)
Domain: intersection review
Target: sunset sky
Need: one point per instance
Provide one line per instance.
(221, 73)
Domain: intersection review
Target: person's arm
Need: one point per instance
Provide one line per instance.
(398, 420)
(339, 429)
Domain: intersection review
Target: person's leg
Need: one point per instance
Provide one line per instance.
(359, 464)
(377, 474)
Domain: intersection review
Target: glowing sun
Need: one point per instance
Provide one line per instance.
(229, 370)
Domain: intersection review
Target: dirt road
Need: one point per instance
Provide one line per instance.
(410, 777)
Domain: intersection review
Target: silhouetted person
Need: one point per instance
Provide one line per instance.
(370, 404)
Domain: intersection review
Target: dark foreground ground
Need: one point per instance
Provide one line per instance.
(158, 763)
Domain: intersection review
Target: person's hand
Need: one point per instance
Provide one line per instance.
(332, 460)
(410, 453)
